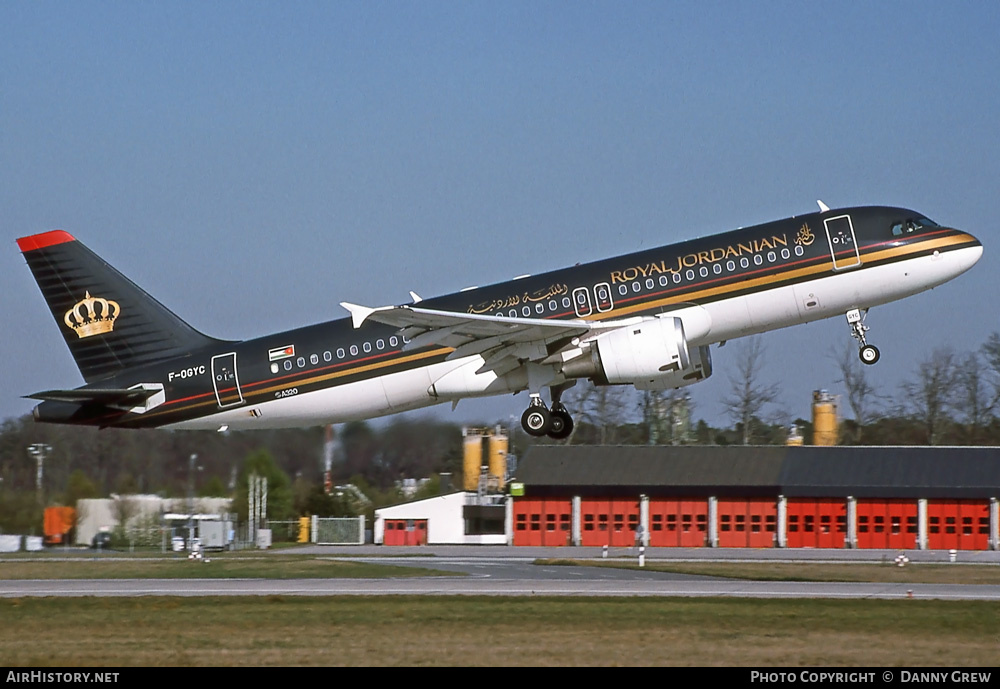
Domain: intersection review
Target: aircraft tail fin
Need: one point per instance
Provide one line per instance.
(108, 322)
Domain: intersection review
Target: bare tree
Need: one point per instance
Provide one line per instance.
(930, 396)
(975, 397)
(601, 406)
(124, 510)
(861, 394)
(748, 396)
(666, 415)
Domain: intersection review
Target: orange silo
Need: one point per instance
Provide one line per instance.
(825, 424)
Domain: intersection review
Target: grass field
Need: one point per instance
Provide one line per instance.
(291, 565)
(223, 566)
(923, 573)
(487, 631)
(481, 631)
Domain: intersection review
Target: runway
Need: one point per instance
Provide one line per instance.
(505, 572)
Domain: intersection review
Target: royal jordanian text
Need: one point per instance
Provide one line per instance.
(751, 247)
(59, 677)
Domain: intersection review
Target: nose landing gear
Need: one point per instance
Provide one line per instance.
(868, 354)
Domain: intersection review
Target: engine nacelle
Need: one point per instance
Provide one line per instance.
(651, 355)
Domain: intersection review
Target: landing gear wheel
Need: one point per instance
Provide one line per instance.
(562, 424)
(536, 421)
(869, 354)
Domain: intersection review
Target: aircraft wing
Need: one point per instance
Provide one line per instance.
(105, 397)
(505, 343)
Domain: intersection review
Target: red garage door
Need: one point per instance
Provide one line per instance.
(958, 524)
(609, 522)
(405, 532)
(887, 523)
(750, 523)
(678, 523)
(816, 523)
(542, 522)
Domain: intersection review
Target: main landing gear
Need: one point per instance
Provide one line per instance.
(538, 421)
(869, 354)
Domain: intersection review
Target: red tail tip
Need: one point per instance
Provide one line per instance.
(40, 241)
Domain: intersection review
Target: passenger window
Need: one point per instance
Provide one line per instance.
(301, 361)
(663, 281)
(314, 359)
(393, 341)
(288, 364)
(622, 290)
(327, 356)
(367, 346)
(380, 344)
(354, 350)
(341, 353)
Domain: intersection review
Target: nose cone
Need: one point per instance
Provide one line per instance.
(969, 254)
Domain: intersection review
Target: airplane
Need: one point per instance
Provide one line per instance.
(645, 319)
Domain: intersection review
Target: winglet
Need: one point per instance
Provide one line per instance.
(359, 314)
(415, 297)
(822, 206)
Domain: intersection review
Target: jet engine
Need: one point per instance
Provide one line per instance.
(652, 354)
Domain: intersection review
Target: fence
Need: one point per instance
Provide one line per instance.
(338, 530)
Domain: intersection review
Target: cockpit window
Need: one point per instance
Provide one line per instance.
(911, 225)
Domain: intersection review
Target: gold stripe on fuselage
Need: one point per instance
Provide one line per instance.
(304, 381)
(784, 276)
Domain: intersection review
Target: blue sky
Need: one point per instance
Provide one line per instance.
(252, 164)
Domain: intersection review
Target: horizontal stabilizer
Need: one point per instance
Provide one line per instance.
(106, 397)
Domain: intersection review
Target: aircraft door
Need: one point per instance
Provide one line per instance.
(226, 380)
(581, 302)
(602, 297)
(843, 244)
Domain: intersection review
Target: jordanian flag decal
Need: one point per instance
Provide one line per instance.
(280, 353)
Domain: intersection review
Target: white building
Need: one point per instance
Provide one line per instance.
(455, 519)
(140, 513)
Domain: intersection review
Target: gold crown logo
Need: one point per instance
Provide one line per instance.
(92, 316)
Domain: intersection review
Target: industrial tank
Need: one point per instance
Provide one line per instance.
(825, 431)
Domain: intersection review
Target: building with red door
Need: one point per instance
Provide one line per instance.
(462, 518)
(758, 497)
